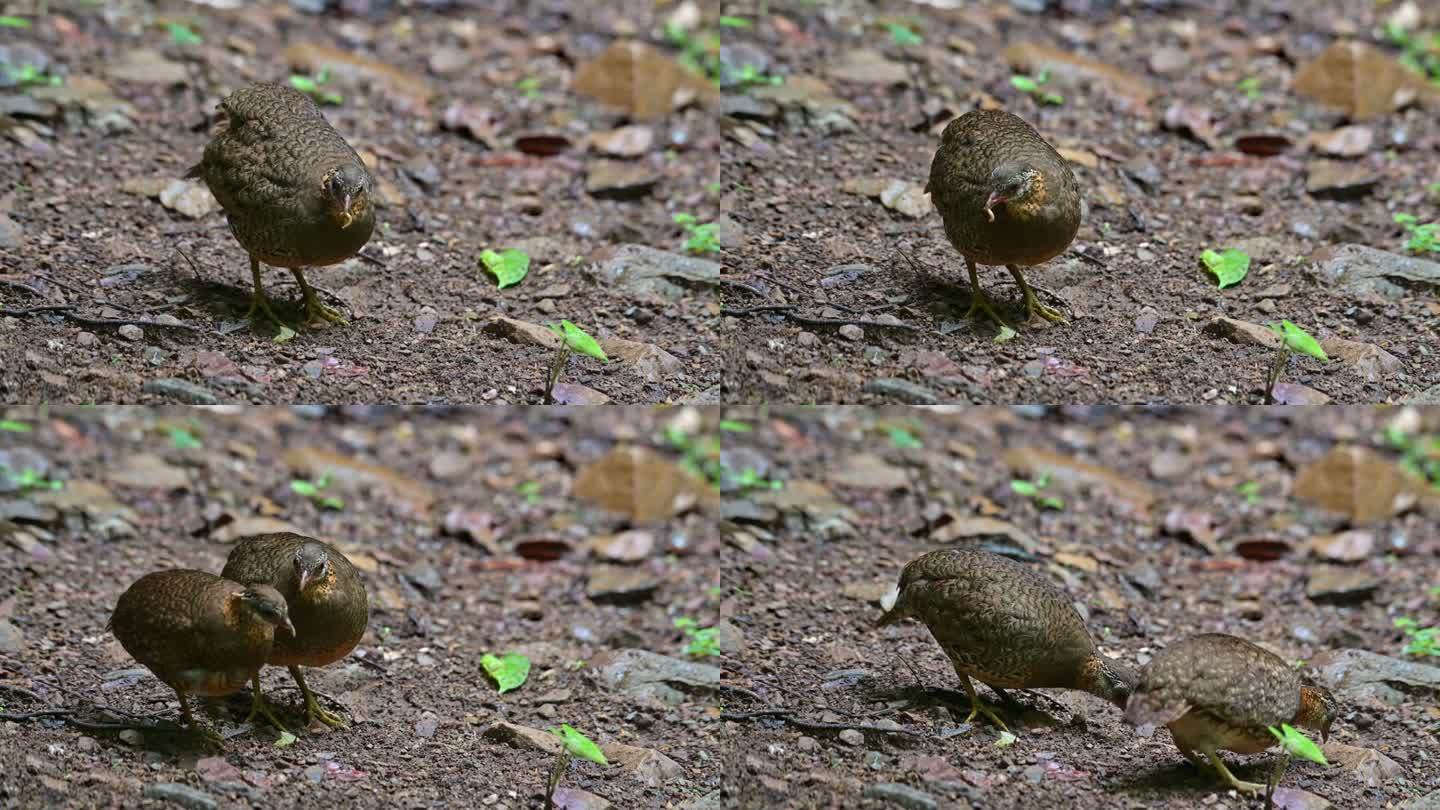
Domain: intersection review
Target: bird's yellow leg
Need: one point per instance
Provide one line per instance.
(978, 706)
(313, 709)
(978, 301)
(261, 706)
(315, 309)
(258, 301)
(1033, 306)
(208, 735)
(1250, 788)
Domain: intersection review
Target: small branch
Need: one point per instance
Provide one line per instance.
(783, 311)
(63, 310)
(785, 715)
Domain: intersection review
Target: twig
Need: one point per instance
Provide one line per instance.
(785, 715)
(63, 310)
(20, 286)
(740, 690)
(1085, 256)
(783, 311)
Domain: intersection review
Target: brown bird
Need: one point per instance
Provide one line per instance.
(1217, 692)
(1005, 625)
(1006, 196)
(327, 603)
(200, 634)
(295, 193)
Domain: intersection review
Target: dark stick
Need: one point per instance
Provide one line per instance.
(63, 310)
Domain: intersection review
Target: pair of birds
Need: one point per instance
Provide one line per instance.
(295, 193)
(282, 599)
(1007, 626)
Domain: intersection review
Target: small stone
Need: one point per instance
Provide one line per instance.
(87, 339)
(181, 390)
(808, 744)
(902, 390)
(1334, 585)
(852, 737)
(901, 795)
(1167, 60)
(808, 339)
(11, 234)
(852, 332)
(12, 641)
(131, 332)
(616, 180)
(1340, 181)
(182, 795)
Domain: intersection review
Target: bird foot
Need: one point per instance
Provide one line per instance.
(1049, 313)
(980, 708)
(978, 302)
(317, 311)
(261, 707)
(314, 711)
(210, 736)
(259, 302)
(1248, 788)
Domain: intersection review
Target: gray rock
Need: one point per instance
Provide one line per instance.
(903, 795)
(748, 107)
(643, 675)
(11, 234)
(710, 801)
(1430, 801)
(1430, 396)
(1362, 270)
(182, 795)
(1359, 674)
(643, 272)
(181, 390)
(741, 58)
(902, 390)
(619, 180)
(12, 641)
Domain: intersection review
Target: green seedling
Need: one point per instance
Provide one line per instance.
(313, 86)
(285, 740)
(1293, 340)
(28, 75)
(699, 52)
(1419, 238)
(1250, 490)
(573, 340)
(699, 641)
(182, 34)
(700, 455)
(1005, 740)
(1034, 491)
(509, 671)
(699, 238)
(531, 491)
(30, 478)
(1420, 455)
(902, 35)
(183, 439)
(749, 478)
(1250, 87)
(1034, 86)
(1229, 266)
(1419, 641)
(749, 75)
(1420, 50)
(733, 426)
(903, 439)
(727, 21)
(314, 490)
(529, 87)
(1297, 744)
(1005, 335)
(575, 745)
(12, 426)
(509, 266)
(7, 21)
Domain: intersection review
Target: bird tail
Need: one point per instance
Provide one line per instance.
(1146, 711)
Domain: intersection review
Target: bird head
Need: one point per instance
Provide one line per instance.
(1318, 710)
(1109, 679)
(1011, 183)
(269, 605)
(347, 187)
(312, 564)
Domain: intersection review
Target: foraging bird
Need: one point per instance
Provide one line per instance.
(295, 193)
(1005, 625)
(1216, 691)
(327, 601)
(1006, 197)
(200, 634)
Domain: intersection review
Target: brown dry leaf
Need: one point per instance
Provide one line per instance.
(1360, 80)
(1071, 474)
(1370, 766)
(251, 526)
(313, 57)
(1079, 562)
(1352, 546)
(147, 471)
(644, 82)
(1358, 483)
(1197, 527)
(352, 474)
(641, 484)
(1072, 70)
(949, 529)
(868, 471)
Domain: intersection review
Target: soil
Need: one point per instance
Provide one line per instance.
(806, 257)
(805, 565)
(419, 302)
(418, 702)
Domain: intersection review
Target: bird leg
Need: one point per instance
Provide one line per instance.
(189, 719)
(261, 706)
(1033, 306)
(1250, 788)
(978, 707)
(313, 709)
(314, 307)
(258, 299)
(977, 296)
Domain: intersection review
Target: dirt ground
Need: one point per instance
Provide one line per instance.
(471, 538)
(836, 297)
(805, 564)
(445, 100)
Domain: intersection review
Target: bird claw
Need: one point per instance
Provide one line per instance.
(261, 707)
(1049, 313)
(314, 711)
(259, 302)
(979, 302)
(988, 713)
(317, 310)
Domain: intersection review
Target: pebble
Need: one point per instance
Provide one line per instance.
(902, 795)
(808, 339)
(852, 332)
(11, 234)
(182, 795)
(876, 356)
(12, 641)
(181, 390)
(131, 332)
(903, 390)
(87, 339)
(852, 737)
(808, 744)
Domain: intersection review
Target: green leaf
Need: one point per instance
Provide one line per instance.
(703, 642)
(1006, 740)
(578, 744)
(1298, 340)
(1406, 219)
(1298, 744)
(1405, 621)
(902, 35)
(509, 670)
(1229, 266)
(1024, 84)
(1024, 488)
(733, 426)
(1052, 502)
(285, 740)
(184, 439)
(285, 334)
(304, 84)
(904, 439)
(305, 489)
(13, 426)
(331, 502)
(683, 622)
(685, 219)
(509, 265)
(1006, 335)
(727, 21)
(1053, 99)
(181, 34)
(8, 21)
(579, 340)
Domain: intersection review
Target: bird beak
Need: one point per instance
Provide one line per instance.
(996, 198)
(345, 210)
(304, 578)
(289, 628)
